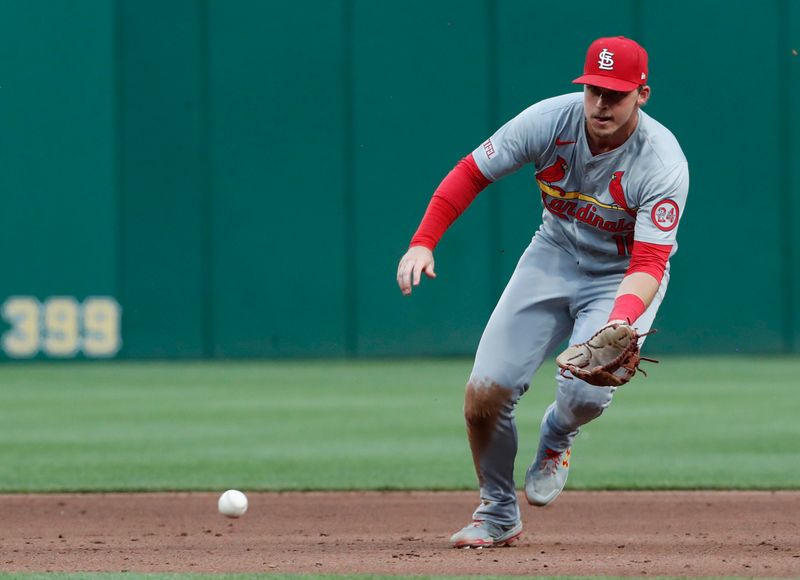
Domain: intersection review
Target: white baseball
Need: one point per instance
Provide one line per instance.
(232, 503)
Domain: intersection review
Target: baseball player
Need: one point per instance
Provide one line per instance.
(613, 183)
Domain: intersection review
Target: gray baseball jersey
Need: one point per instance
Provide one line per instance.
(594, 206)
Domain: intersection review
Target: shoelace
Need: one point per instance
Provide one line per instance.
(551, 460)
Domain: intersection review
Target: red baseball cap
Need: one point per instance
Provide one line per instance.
(615, 63)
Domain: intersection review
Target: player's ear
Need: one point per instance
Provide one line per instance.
(644, 95)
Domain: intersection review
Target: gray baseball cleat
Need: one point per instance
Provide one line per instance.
(484, 534)
(547, 476)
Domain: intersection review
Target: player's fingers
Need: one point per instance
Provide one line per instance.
(417, 273)
(429, 271)
(404, 277)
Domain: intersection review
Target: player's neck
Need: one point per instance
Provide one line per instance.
(603, 144)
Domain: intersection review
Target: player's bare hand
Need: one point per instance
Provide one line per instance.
(418, 259)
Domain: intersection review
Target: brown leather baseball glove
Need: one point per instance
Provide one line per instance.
(610, 358)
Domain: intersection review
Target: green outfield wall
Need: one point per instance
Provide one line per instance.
(231, 178)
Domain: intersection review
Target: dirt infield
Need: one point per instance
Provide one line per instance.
(583, 533)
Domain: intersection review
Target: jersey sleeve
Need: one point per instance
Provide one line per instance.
(661, 208)
(519, 141)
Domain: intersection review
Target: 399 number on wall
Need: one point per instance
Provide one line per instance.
(61, 327)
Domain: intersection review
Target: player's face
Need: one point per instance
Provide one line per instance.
(612, 115)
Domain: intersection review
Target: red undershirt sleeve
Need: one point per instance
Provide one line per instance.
(649, 258)
(454, 194)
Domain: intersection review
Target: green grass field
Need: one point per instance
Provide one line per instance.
(693, 423)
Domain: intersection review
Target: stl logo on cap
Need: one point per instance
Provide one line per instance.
(615, 63)
(606, 61)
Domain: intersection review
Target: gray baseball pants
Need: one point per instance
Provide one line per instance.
(550, 297)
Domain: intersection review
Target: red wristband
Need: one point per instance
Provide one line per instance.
(627, 307)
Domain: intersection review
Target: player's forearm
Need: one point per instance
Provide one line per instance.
(640, 284)
(641, 281)
(634, 295)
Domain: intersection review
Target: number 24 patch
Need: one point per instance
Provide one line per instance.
(665, 215)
